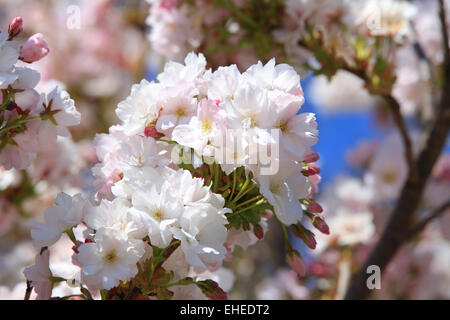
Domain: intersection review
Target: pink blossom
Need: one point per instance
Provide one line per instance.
(34, 49)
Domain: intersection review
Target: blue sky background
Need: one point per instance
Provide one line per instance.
(338, 132)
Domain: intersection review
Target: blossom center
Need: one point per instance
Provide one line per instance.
(206, 126)
(275, 188)
(110, 257)
(181, 112)
(158, 214)
(283, 127)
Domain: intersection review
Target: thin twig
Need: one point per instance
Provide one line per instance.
(400, 123)
(433, 215)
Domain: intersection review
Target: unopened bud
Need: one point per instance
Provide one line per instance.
(151, 131)
(258, 231)
(211, 289)
(310, 169)
(34, 49)
(312, 156)
(295, 261)
(268, 214)
(320, 225)
(304, 234)
(314, 207)
(15, 27)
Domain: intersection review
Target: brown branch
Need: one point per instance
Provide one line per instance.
(399, 122)
(443, 19)
(396, 231)
(401, 126)
(433, 215)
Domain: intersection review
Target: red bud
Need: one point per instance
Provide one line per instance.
(314, 207)
(211, 289)
(258, 231)
(151, 131)
(304, 234)
(15, 27)
(310, 170)
(321, 225)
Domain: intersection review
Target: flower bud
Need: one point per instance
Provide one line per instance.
(314, 207)
(34, 49)
(211, 289)
(294, 260)
(15, 27)
(312, 156)
(304, 234)
(258, 231)
(151, 131)
(320, 225)
(268, 214)
(310, 169)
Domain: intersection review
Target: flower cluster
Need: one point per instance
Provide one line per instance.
(198, 159)
(29, 120)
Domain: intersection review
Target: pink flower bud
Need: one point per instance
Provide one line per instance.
(211, 289)
(268, 214)
(311, 169)
(321, 225)
(295, 261)
(151, 131)
(312, 156)
(314, 207)
(258, 231)
(304, 234)
(15, 27)
(34, 49)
